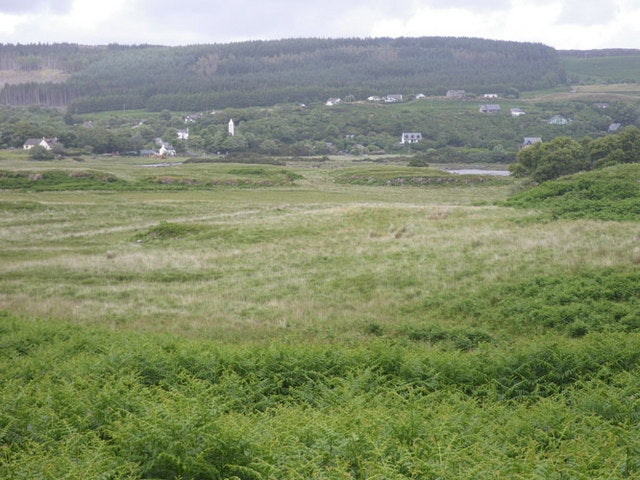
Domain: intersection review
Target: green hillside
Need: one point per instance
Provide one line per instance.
(612, 193)
(601, 66)
(270, 72)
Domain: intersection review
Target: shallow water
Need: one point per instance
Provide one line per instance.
(477, 171)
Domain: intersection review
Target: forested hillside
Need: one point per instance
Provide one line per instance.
(268, 72)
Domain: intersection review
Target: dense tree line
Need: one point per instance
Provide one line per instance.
(67, 57)
(304, 70)
(564, 156)
(45, 94)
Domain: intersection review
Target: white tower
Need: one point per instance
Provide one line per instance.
(232, 128)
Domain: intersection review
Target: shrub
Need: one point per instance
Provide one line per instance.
(40, 153)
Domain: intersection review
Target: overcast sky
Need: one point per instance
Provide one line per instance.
(567, 24)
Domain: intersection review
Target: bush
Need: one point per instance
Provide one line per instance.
(40, 153)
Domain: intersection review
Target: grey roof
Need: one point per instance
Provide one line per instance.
(531, 140)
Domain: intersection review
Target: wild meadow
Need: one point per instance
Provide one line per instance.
(335, 319)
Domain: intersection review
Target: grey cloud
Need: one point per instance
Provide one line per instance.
(34, 6)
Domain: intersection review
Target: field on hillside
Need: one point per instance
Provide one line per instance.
(335, 319)
(602, 69)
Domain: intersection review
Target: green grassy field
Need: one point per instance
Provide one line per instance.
(314, 321)
(602, 70)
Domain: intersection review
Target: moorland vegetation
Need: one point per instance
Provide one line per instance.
(326, 315)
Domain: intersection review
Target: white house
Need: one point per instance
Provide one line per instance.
(183, 134)
(374, 98)
(516, 112)
(490, 95)
(393, 98)
(411, 137)
(47, 143)
(332, 101)
(167, 150)
(232, 128)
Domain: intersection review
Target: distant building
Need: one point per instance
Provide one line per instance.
(232, 128)
(374, 98)
(614, 127)
(516, 112)
(411, 137)
(558, 120)
(192, 117)
(489, 108)
(490, 95)
(456, 93)
(47, 143)
(394, 98)
(420, 96)
(167, 150)
(183, 134)
(332, 101)
(528, 141)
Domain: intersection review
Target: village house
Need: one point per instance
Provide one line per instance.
(614, 127)
(47, 143)
(420, 96)
(528, 141)
(410, 137)
(490, 95)
(374, 98)
(489, 108)
(183, 134)
(456, 94)
(332, 101)
(192, 117)
(516, 112)
(394, 98)
(166, 150)
(558, 120)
